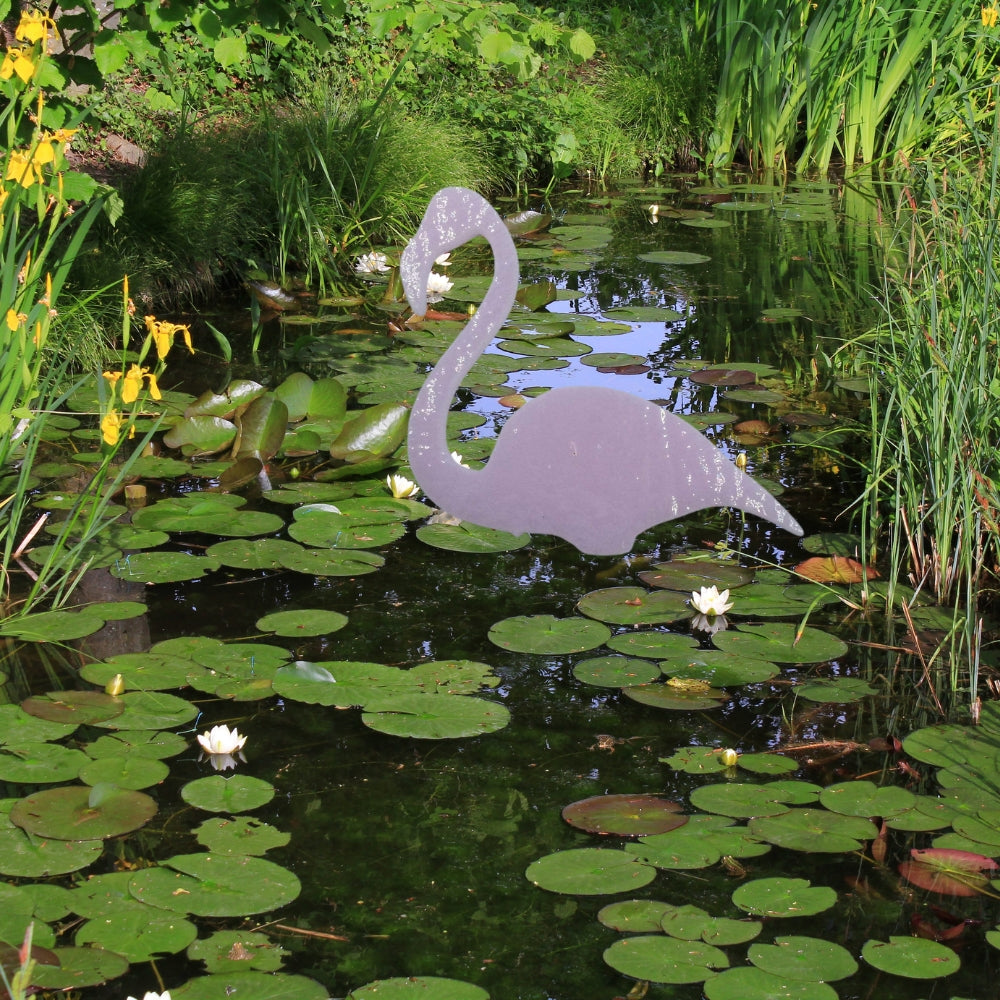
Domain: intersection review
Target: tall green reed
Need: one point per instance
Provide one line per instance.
(932, 502)
(803, 84)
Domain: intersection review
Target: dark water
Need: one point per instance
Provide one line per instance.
(412, 853)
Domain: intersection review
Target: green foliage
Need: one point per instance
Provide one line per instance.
(800, 83)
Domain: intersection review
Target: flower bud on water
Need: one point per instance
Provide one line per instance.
(741, 460)
(115, 686)
(729, 757)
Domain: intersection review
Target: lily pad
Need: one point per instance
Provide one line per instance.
(40, 763)
(137, 932)
(75, 812)
(835, 690)
(674, 257)
(332, 562)
(745, 800)
(466, 537)
(151, 710)
(417, 988)
(52, 626)
(635, 915)
(653, 644)
(803, 959)
(124, 772)
(76, 708)
(633, 606)
(719, 668)
(302, 623)
(240, 835)
(18, 726)
(79, 967)
(216, 885)
(589, 871)
(949, 872)
(781, 643)
(784, 897)
(548, 635)
(237, 952)
(615, 671)
(24, 855)
(659, 959)
(688, 574)
(814, 830)
(233, 795)
(749, 983)
(914, 958)
(163, 567)
(254, 553)
(624, 815)
(145, 671)
(433, 716)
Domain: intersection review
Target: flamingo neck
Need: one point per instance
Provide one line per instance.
(428, 440)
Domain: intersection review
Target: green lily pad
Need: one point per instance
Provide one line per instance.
(417, 988)
(803, 959)
(336, 531)
(18, 726)
(692, 573)
(163, 567)
(914, 958)
(548, 635)
(251, 985)
(835, 690)
(589, 871)
(767, 763)
(75, 812)
(466, 537)
(137, 932)
(865, 798)
(451, 676)
(744, 800)
(677, 698)
(145, 671)
(76, 708)
(40, 763)
(640, 314)
(253, 553)
(24, 855)
(659, 959)
(216, 885)
(749, 983)
(674, 257)
(719, 668)
(434, 717)
(624, 815)
(234, 795)
(635, 915)
(151, 710)
(340, 683)
(655, 645)
(124, 771)
(615, 671)
(52, 626)
(240, 835)
(814, 830)
(675, 853)
(783, 897)
(332, 562)
(137, 742)
(255, 952)
(301, 623)
(79, 967)
(633, 606)
(612, 359)
(781, 643)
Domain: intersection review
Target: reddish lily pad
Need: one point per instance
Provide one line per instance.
(74, 707)
(951, 873)
(723, 377)
(625, 815)
(835, 569)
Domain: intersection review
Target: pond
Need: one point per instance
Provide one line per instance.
(344, 846)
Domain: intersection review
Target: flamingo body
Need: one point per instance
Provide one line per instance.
(593, 465)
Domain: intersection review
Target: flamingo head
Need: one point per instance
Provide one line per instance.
(453, 217)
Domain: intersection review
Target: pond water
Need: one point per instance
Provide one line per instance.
(411, 852)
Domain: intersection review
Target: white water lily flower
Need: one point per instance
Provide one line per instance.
(438, 284)
(165, 995)
(221, 739)
(461, 461)
(401, 487)
(710, 602)
(443, 261)
(224, 761)
(371, 263)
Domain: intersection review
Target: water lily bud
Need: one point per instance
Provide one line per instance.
(293, 472)
(741, 460)
(729, 757)
(115, 686)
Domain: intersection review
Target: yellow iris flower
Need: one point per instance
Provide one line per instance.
(35, 27)
(111, 427)
(26, 168)
(18, 61)
(132, 384)
(162, 332)
(990, 15)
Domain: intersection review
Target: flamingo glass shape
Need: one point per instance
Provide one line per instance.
(593, 465)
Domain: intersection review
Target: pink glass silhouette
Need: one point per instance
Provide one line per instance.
(593, 465)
